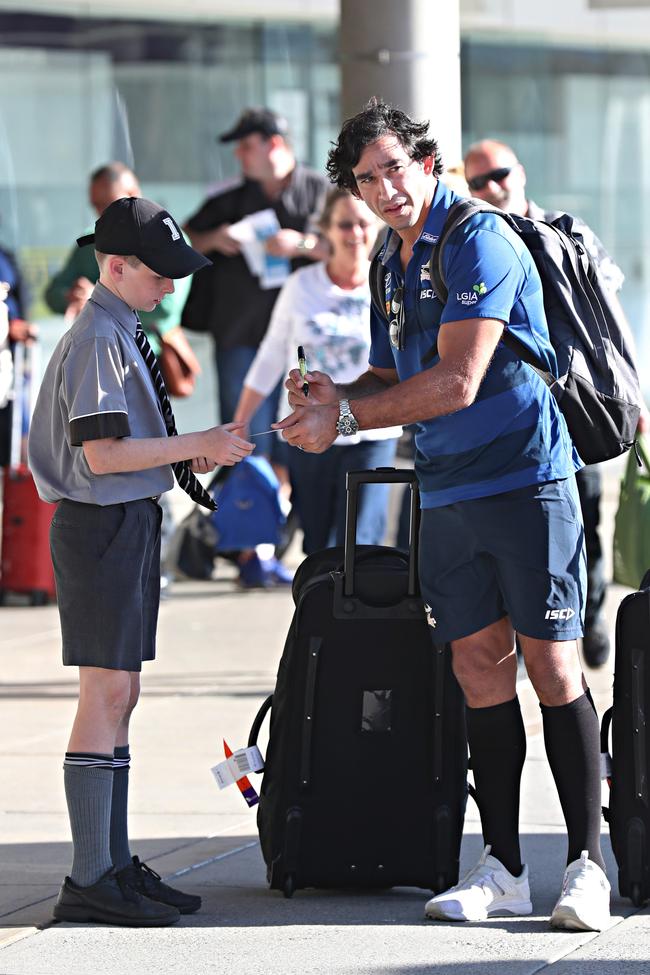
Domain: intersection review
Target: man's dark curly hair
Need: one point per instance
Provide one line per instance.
(376, 120)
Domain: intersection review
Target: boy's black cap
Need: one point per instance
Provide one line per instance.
(261, 120)
(138, 227)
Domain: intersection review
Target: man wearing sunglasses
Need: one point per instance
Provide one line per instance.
(501, 542)
(494, 174)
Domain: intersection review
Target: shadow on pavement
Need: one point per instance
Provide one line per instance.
(229, 873)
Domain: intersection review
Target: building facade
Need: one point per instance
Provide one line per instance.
(566, 83)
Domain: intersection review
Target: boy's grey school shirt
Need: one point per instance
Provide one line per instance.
(96, 385)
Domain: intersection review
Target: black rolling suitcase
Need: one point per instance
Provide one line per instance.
(365, 783)
(628, 769)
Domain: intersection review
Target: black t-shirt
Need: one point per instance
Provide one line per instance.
(226, 299)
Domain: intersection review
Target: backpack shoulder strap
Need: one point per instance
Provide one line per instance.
(376, 278)
(459, 213)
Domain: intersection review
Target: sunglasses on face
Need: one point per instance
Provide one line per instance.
(351, 224)
(396, 330)
(495, 175)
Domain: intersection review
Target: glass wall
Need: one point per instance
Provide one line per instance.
(76, 93)
(579, 121)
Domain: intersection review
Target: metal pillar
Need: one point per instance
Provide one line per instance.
(408, 53)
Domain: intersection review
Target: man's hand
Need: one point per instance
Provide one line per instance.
(221, 240)
(224, 446)
(290, 243)
(22, 331)
(321, 389)
(77, 297)
(311, 428)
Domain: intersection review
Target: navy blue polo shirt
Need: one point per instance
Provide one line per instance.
(513, 434)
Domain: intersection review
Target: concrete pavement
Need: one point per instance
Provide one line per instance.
(218, 654)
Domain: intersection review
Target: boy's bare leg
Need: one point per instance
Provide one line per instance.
(104, 697)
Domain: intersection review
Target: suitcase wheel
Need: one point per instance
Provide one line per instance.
(636, 894)
(289, 885)
(38, 597)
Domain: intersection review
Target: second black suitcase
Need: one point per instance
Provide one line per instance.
(365, 783)
(629, 773)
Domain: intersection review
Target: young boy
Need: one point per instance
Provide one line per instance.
(102, 446)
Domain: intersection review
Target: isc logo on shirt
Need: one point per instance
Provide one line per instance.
(559, 614)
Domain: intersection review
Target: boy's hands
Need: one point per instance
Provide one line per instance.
(224, 446)
(321, 389)
(201, 465)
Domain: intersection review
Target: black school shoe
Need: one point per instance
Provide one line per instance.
(111, 901)
(147, 882)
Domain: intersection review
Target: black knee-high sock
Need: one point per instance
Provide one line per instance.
(497, 745)
(572, 740)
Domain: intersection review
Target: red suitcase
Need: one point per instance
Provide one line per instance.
(26, 565)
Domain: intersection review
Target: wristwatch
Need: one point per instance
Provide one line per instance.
(346, 424)
(307, 243)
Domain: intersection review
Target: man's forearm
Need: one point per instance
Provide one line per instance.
(435, 392)
(365, 385)
(56, 293)
(201, 240)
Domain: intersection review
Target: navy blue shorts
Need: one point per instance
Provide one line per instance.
(107, 569)
(519, 554)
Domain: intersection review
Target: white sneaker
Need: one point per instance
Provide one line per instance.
(584, 901)
(488, 890)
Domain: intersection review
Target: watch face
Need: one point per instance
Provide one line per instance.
(347, 426)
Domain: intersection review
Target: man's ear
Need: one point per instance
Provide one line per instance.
(427, 164)
(522, 173)
(276, 141)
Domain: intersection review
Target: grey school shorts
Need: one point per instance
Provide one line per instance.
(519, 554)
(107, 570)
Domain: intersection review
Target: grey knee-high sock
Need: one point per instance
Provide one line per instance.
(120, 852)
(88, 781)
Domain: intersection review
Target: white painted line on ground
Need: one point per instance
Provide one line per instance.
(220, 856)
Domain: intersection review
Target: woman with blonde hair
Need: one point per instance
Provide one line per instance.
(325, 308)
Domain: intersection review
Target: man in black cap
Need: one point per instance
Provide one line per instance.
(229, 298)
(103, 447)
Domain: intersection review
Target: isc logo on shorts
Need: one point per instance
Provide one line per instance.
(559, 614)
(431, 620)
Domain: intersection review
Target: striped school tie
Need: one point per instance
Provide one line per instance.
(182, 470)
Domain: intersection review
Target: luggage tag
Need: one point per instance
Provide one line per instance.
(235, 769)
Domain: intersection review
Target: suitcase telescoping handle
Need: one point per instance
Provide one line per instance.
(381, 475)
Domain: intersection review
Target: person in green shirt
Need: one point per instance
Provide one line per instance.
(69, 289)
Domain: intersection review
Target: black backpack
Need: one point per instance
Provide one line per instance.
(597, 387)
